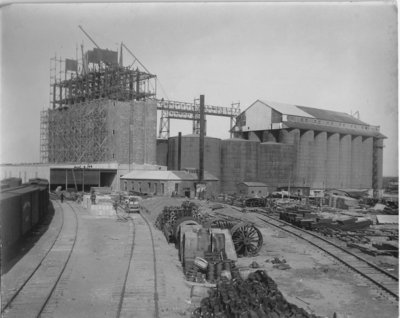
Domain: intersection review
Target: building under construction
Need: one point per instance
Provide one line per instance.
(102, 124)
(101, 111)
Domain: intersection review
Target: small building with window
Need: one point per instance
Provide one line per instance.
(167, 182)
(253, 189)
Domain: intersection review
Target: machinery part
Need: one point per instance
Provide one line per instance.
(186, 220)
(255, 202)
(219, 223)
(247, 239)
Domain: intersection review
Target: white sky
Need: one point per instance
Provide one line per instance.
(335, 56)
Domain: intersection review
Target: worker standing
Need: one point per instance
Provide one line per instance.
(93, 198)
(62, 197)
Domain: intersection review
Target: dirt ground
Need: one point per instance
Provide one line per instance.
(314, 281)
(92, 283)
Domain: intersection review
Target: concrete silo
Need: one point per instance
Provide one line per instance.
(345, 161)
(320, 160)
(190, 153)
(356, 162)
(275, 164)
(239, 159)
(332, 161)
(305, 155)
(367, 162)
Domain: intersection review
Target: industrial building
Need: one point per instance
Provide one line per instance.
(167, 183)
(287, 146)
(101, 126)
(328, 149)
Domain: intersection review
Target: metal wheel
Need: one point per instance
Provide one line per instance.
(247, 239)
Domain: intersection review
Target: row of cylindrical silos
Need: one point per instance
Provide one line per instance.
(330, 160)
(234, 161)
(189, 157)
(290, 157)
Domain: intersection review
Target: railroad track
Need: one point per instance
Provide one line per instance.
(31, 297)
(140, 285)
(379, 277)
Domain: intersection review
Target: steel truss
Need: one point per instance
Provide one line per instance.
(190, 111)
(99, 81)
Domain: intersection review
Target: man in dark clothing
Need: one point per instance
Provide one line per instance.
(62, 197)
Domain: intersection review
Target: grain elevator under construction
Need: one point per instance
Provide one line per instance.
(102, 125)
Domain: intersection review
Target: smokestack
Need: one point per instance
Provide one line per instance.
(201, 150)
(179, 150)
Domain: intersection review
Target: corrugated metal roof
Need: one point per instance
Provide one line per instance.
(332, 129)
(287, 109)
(254, 184)
(387, 219)
(166, 175)
(331, 115)
(310, 112)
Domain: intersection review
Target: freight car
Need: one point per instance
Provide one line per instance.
(21, 209)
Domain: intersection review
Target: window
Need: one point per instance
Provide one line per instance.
(176, 187)
(162, 188)
(113, 132)
(125, 186)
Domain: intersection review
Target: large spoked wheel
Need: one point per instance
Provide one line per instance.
(247, 239)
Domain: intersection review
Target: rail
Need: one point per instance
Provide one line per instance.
(368, 270)
(41, 282)
(128, 299)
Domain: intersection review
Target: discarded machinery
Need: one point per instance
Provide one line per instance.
(246, 238)
(255, 202)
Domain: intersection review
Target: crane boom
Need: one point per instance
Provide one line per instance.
(130, 52)
(80, 27)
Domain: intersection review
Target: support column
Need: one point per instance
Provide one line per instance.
(332, 167)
